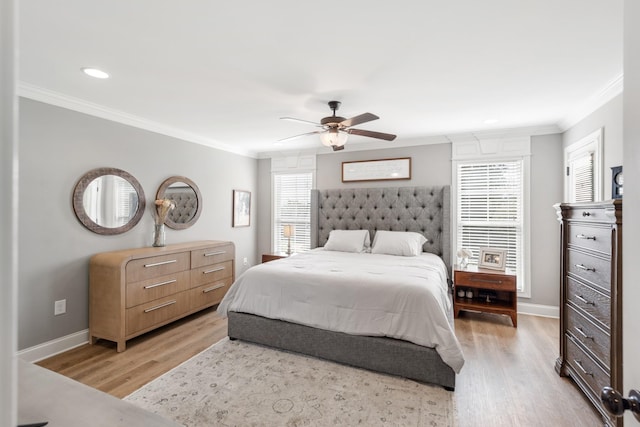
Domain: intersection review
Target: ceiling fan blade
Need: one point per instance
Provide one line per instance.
(293, 119)
(362, 118)
(299, 136)
(372, 134)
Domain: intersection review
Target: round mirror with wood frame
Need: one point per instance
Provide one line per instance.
(187, 199)
(108, 201)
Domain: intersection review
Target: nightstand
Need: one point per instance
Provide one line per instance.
(272, 257)
(489, 291)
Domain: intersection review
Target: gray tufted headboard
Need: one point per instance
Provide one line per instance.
(425, 210)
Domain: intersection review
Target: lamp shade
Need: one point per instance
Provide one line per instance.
(288, 230)
(334, 137)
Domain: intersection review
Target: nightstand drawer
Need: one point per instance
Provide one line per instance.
(498, 282)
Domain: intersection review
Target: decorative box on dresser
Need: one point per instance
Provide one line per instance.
(591, 298)
(134, 291)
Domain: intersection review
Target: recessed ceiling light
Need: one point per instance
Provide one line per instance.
(94, 72)
(491, 121)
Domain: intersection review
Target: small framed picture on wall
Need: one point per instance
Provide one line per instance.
(241, 208)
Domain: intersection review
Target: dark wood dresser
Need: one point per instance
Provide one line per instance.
(591, 298)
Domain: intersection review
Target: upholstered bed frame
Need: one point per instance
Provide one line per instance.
(424, 210)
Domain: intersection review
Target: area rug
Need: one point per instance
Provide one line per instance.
(234, 383)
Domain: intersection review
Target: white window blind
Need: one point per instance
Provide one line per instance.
(490, 210)
(292, 206)
(581, 178)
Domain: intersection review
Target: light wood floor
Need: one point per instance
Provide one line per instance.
(508, 378)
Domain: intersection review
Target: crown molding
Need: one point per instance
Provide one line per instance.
(36, 93)
(595, 101)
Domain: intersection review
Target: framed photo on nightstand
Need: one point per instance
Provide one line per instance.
(491, 258)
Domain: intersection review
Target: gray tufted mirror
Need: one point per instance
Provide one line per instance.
(108, 201)
(187, 198)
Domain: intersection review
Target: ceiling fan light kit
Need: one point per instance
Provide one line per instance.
(336, 129)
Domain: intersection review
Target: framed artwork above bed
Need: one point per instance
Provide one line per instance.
(377, 170)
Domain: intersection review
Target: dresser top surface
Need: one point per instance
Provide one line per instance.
(145, 252)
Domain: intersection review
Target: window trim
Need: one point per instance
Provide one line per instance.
(594, 143)
(468, 152)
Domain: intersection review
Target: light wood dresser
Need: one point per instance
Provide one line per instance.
(591, 298)
(137, 290)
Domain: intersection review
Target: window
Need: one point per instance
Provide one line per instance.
(292, 206)
(490, 209)
(583, 163)
(490, 201)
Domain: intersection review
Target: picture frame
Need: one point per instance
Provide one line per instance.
(492, 258)
(377, 170)
(241, 208)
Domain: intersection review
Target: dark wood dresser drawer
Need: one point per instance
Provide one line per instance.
(593, 269)
(586, 368)
(595, 303)
(593, 338)
(594, 214)
(590, 237)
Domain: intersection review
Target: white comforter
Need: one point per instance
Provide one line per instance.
(360, 294)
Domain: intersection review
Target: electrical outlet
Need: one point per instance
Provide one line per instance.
(60, 307)
(245, 261)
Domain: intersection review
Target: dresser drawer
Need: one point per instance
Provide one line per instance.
(590, 335)
(587, 214)
(498, 282)
(586, 368)
(596, 303)
(590, 237)
(590, 268)
(154, 313)
(209, 294)
(157, 287)
(147, 268)
(211, 273)
(212, 255)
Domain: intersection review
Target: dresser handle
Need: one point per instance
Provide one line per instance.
(584, 236)
(160, 306)
(584, 371)
(213, 288)
(161, 284)
(583, 300)
(584, 267)
(581, 332)
(498, 282)
(155, 264)
(215, 253)
(586, 213)
(213, 270)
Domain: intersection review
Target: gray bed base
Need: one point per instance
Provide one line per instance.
(386, 355)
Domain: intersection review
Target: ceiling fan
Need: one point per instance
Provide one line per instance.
(336, 129)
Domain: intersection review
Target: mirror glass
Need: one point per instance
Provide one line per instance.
(108, 201)
(187, 199)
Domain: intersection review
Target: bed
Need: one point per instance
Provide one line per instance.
(290, 303)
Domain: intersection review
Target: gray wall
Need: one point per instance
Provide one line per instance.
(57, 146)
(609, 117)
(431, 165)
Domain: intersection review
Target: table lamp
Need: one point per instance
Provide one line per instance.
(288, 231)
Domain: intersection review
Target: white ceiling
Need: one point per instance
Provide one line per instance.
(223, 73)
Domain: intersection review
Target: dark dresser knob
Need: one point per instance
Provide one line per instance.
(615, 404)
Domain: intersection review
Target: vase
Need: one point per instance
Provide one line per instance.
(158, 235)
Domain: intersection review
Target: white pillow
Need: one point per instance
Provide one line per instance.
(402, 243)
(348, 241)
